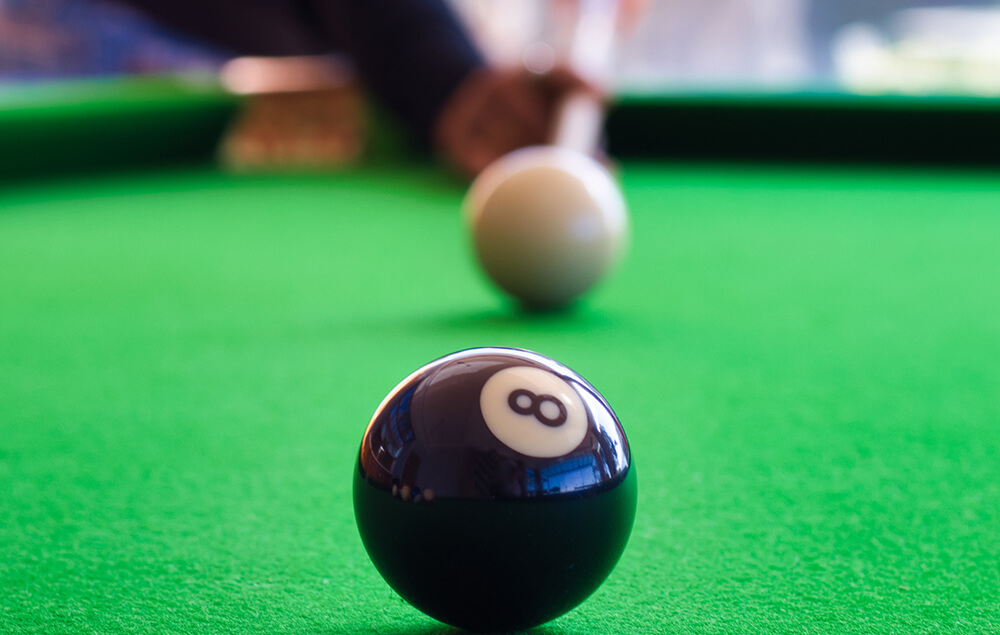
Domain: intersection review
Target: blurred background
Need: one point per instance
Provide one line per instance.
(867, 46)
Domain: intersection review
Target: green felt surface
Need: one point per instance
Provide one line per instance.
(807, 362)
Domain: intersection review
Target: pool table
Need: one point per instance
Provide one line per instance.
(804, 354)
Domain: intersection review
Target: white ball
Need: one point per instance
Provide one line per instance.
(547, 223)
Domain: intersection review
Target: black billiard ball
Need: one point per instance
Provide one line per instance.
(494, 489)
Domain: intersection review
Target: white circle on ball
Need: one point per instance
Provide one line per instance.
(534, 412)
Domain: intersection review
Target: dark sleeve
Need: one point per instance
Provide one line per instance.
(245, 27)
(411, 54)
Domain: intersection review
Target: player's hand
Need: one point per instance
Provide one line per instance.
(496, 111)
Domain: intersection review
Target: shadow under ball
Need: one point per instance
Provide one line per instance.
(479, 534)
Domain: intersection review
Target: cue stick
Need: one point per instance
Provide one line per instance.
(580, 116)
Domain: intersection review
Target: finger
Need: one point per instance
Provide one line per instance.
(525, 106)
(562, 80)
(501, 133)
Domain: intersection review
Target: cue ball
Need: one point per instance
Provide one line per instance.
(546, 223)
(494, 489)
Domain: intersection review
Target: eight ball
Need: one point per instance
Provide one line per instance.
(494, 489)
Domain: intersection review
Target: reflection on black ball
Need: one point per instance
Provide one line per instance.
(494, 489)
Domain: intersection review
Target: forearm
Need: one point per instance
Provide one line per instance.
(244, 27)
(411, 54)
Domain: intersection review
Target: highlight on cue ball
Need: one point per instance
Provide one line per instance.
(547, 223)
